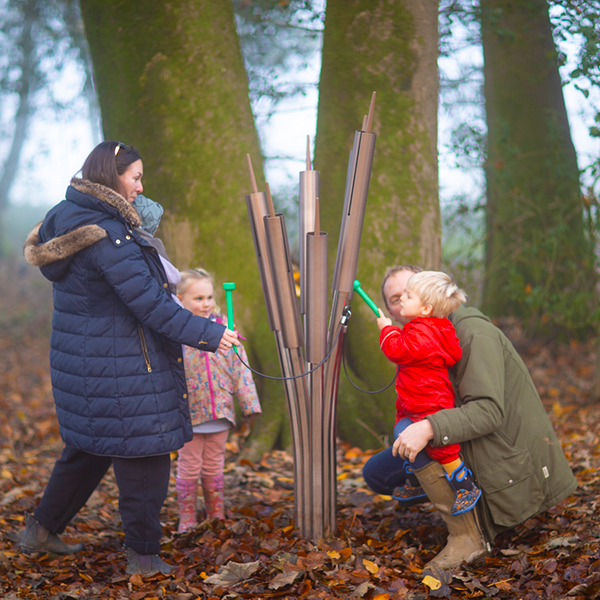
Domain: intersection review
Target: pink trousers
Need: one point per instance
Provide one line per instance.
(204, 455)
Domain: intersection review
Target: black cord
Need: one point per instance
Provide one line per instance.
(368, 391)
(337, 337)
(343, 322)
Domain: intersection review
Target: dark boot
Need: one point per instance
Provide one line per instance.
(145, 564)
(36, 538)
(467, 493)
(465, 541)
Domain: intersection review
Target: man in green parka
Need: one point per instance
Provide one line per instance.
(506, 438)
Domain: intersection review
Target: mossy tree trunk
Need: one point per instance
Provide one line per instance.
(391, 47)
(171, 81)
(538, 264)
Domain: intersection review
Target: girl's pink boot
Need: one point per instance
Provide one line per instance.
(212, 487)
(187, 493)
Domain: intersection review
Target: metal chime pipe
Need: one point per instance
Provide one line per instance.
(285, 295)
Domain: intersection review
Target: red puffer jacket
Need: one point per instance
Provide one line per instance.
(425, 348)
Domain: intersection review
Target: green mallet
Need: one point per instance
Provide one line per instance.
(229, 287)
(365, 297)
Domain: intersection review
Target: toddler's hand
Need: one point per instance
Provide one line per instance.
(383, 321)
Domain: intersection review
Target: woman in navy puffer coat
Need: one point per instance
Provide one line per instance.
(116, 360)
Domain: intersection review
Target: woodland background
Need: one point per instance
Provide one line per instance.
(188, 82)
(192, 83)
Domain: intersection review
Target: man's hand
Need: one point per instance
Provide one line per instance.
(412, 440)
(383, 321)
(229, 339)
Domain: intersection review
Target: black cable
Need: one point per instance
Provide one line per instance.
(343, 322)
(337, 337)
(367, 391)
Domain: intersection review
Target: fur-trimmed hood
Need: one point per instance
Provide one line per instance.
(66, 239)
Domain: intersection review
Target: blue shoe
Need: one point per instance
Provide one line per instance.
(411, 490)
(467, 493)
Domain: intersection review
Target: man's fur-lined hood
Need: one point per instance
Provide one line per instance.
(68, 244)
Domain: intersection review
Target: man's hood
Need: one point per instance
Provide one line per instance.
(464, 312)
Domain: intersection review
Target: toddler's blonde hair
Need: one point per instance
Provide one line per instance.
(436, 288)
(189, 276)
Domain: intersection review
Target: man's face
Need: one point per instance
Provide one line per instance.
(393, 290)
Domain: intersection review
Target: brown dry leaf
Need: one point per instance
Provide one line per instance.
(314, 560)
(362, 589)
(370, 566)
(283, 579)
(136, 580)
(232, 573)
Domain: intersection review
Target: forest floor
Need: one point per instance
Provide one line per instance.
(379, 550)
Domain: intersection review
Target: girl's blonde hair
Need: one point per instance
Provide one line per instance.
(189, 276)
(437, 289)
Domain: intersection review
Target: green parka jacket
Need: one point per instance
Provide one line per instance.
(506, 437)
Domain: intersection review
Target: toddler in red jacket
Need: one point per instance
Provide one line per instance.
(424, 349)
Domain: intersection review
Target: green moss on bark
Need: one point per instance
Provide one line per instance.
(171, 81)
(539, 265)
(387, 46)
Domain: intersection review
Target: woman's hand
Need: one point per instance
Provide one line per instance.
(412, 440)
(383, 321)
(230, 338)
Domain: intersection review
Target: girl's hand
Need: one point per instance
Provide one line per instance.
(229, 339)
(383, 321)
(412, 440)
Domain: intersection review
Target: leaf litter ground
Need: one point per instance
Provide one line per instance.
(378, 552)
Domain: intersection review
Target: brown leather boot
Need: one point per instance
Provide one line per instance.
(145, 564)
(465, 541)
(36, 538)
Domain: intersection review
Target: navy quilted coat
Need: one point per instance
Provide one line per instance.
(116, 360)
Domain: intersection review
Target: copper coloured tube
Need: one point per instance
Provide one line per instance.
(309, 190)
(316, 293)
(257, 210)
(283, 280)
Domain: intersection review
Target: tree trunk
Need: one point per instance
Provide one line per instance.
(26, 86)
(387, 46)
(537, 260)
(171, 82)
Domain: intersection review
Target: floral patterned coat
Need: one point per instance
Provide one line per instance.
(213, 379)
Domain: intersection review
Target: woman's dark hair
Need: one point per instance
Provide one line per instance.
(107, 161)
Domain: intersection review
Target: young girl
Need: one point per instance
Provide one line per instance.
(425, 348)
(212, 380)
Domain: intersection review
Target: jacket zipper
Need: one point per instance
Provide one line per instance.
(210, 385)
(145, 349)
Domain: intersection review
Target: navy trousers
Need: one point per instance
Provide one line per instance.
(143, 484)
(384, 472)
